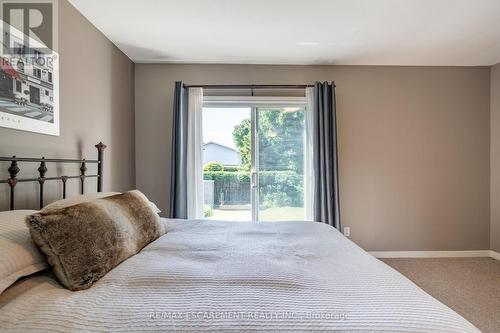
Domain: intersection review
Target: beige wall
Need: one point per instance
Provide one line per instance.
(495, 158)
(96, 103)
(414, 146)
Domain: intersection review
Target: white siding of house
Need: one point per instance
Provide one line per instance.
(213, 152)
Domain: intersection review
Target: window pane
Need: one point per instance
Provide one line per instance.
(281, 163)
(227, 161)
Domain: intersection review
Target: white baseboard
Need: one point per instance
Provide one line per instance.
(494, 255)
(435, 254)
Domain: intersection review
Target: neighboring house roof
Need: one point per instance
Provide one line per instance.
(218, 144)
(216, 152)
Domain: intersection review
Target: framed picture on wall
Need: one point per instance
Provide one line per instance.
(29, 83)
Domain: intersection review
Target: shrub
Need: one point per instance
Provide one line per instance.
(231, 168)
(226, 177)
(281, 188)
(213, 166)
(207, 211)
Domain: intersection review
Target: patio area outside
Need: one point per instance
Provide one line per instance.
(269, 214)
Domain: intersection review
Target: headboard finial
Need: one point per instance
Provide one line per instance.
(13, 169)
(100, 157)
(83, 169)
(42, 169)
(12, 181)
(100, 146)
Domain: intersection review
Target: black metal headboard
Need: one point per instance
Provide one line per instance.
(42, 170)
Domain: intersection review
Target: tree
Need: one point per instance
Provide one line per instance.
(280, 140)
(281, 155)
(242, 140)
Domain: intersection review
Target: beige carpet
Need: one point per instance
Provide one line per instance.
(470, 286)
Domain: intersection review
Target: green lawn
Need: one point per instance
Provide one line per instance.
(270, 214)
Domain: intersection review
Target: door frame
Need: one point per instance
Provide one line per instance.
(254, 169)
(253, 102)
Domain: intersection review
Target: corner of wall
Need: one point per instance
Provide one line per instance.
(495, 157)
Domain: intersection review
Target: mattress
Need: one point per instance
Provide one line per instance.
(219, 276)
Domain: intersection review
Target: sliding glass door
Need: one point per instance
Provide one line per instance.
(255, 161)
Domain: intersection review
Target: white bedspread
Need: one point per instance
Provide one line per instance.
(236, 276)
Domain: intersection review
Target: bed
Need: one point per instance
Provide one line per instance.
(235, 276)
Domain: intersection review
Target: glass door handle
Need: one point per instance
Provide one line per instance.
(254, 179)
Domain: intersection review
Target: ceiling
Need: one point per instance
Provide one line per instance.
(346, 32)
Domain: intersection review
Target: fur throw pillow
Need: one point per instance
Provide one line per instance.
(85, 241)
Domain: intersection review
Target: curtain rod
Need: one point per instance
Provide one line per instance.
(249, 86)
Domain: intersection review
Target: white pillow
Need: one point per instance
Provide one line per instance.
(85, 198)
(19, 256)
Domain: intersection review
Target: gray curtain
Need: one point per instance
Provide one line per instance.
(178, 185)
(325, 156)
